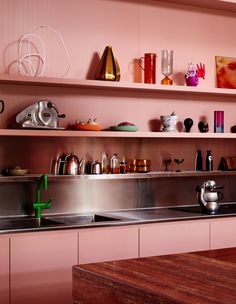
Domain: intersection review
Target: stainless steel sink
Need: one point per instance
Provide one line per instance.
(24, 223)
(83, 219)
(53, 221)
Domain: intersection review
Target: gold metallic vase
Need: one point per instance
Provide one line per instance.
(108, 68)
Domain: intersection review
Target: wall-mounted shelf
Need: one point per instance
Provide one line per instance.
(96, 84)
(149, 175)
(226, 5)
(70, 133)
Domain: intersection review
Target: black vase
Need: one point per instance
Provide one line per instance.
(188, 123)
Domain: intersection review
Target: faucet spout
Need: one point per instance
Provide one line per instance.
(38, 205)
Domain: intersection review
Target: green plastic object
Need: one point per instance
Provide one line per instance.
(38, 205)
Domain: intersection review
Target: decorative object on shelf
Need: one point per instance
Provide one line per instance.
(108, 68)
(17, 171)
(169, 122)
(139, 165)
(226, 72)
(2, 106)
(149, 67)
(188, 123)
(125, 126)
(191, 77)
(167, 162)
(203, 126)
(69, 165)
(233, 129)
(209, 161)
(178, 161)
(41, 115)
(198, 162)
(167, 66)
(105, 163)
(31, 60)
(115, 164)
(88, 125)
(201, 70)
(227, 163)
(219, 121)
(96, 167)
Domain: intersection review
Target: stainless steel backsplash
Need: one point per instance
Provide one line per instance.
(84, 196)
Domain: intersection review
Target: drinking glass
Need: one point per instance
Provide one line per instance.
(167, 66)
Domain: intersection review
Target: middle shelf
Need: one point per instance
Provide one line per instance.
(72, 133)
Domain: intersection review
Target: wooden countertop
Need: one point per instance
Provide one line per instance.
(207, 277)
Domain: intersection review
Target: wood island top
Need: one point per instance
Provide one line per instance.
(207, 277)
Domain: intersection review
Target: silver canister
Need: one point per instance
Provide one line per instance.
(96, 167)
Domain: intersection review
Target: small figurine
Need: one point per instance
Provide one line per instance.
(193, 74)
(203, 126)
(188, 123)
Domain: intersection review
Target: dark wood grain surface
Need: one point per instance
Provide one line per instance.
(207, 277)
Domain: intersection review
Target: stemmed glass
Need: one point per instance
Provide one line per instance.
(167, 66)
(178, 161)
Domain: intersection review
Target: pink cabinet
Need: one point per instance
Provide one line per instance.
(173, 237)
(223, 233)
(4, 270)
(107, 244)
(41, 267)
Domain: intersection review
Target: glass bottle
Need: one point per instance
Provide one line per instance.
(105, 163)
(198, 165)
(209, 161)
(115, 164)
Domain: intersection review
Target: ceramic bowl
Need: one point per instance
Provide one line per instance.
(18, 172)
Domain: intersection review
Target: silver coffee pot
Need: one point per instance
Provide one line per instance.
(208, 195)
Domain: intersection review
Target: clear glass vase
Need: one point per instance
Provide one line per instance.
(167, 66)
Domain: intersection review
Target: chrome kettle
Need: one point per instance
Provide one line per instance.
(208, 195)
(69, 165)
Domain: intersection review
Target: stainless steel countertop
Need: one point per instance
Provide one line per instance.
(111, 218)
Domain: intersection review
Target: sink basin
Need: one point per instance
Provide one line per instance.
(83, 219)
(24, 223)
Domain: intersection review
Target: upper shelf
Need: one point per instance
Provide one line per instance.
(226, 5)
(70, 133)
(98, 84)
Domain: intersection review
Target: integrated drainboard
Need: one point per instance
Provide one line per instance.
(224, 209)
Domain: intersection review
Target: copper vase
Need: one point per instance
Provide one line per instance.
(108, 68)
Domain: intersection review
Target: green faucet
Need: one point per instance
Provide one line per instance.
(38, 205)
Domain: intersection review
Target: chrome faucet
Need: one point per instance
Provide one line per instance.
(38, 205)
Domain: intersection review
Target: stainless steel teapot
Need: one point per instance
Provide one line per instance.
(70, 165)
(208, 195)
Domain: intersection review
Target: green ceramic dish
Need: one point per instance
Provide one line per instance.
(124, 128)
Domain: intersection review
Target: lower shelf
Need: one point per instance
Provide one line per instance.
(152, 174)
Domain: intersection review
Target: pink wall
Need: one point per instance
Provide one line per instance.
(132, 28)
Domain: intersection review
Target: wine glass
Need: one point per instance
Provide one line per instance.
(167, 66)
(178, 161)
